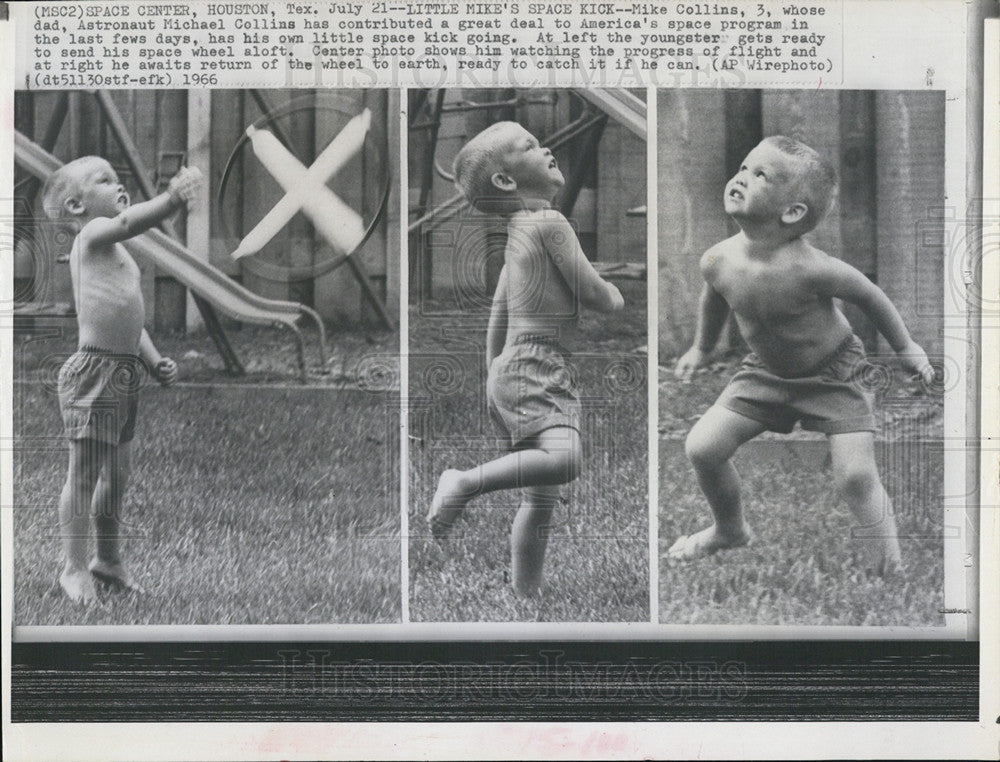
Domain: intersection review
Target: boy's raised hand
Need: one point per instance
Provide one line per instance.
(689, 362)
(184, 185)
(915, 359)
(165, 371)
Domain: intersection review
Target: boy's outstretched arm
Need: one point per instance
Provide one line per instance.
(839, 280)
(712, 313)
(141, 217)
(496, 330)
(562, 245)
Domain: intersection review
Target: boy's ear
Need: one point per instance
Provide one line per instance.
(73, 205)
(794, 213)
(503, 181)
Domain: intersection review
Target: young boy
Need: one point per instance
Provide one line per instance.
(544, 281)
(806, 363)
(98, 385)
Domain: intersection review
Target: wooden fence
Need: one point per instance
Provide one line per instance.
(202, 128)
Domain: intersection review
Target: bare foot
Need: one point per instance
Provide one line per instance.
(78, 586)
(705, 543)
(115, 576)
(449, 500)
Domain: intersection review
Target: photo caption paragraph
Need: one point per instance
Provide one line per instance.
(394, 43)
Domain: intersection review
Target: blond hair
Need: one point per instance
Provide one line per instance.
(63, 184)
(816, 179)
(478, 161)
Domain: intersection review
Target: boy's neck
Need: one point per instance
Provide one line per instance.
(75, 223)
(762, 240)
(533, 203)
(84, 219)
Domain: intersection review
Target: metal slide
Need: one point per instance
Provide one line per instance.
(630, 112)
(619, 104)
(174, 259)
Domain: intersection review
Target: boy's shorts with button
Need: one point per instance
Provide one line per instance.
(529, 389)
(832, 399)
(99, 394)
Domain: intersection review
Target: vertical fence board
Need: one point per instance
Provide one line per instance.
(858, 202)
(140, 110)
(910, 153)
(392, 246)
(337, 294)
(260, 193)
(621, 185)
(199, 154)
(171, 138)
(301, 133)
(691, 176)
(377, 169)
(55, 284)
(227, 129)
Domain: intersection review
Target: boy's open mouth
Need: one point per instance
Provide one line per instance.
(553, 164)
(123, 199)
(735, 193)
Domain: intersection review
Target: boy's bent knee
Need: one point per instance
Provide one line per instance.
(566, 465)
(703, 450)
(563, 447)
(544, 493)
(117, 478)
(574, 462)
(118, 470)
(87, 457)
(857, 482)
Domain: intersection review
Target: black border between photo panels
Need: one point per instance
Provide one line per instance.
(919, 680)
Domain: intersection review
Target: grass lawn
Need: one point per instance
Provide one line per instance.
(799, 569)
(597, 564)
(249, 504)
